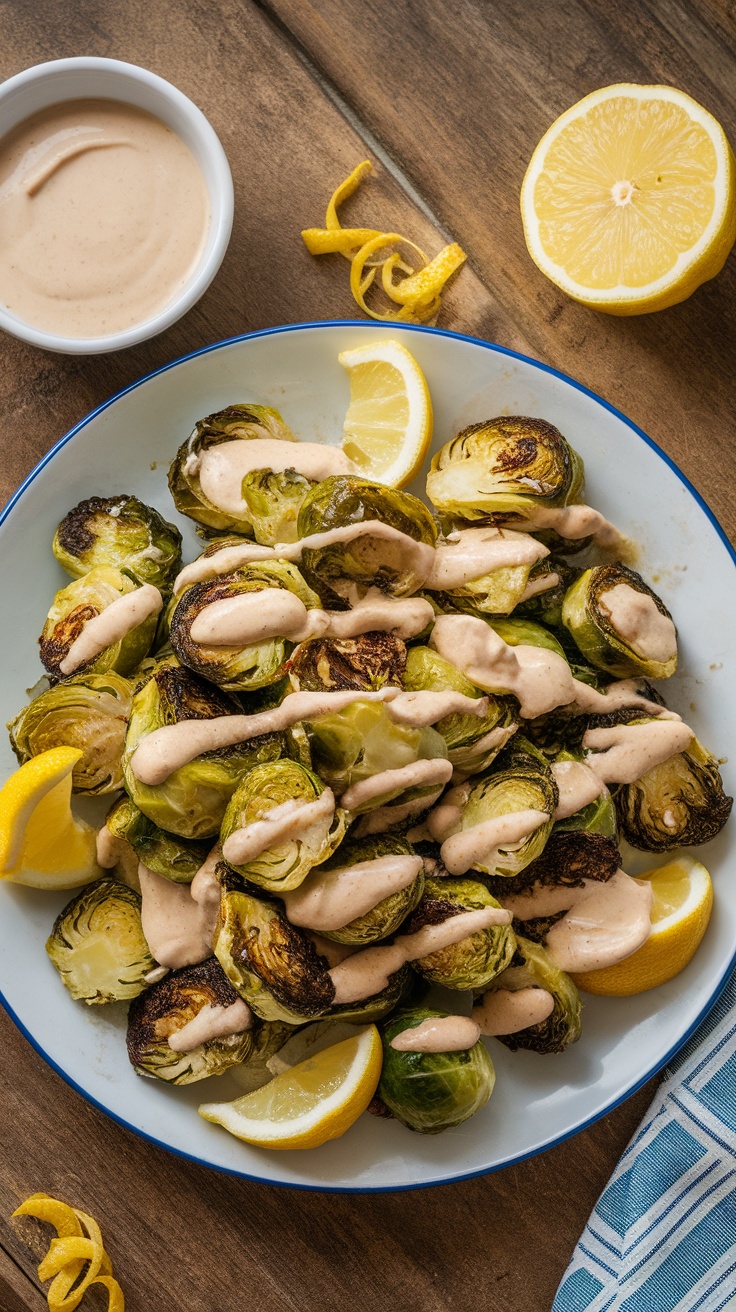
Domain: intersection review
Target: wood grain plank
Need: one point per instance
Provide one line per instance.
(461, 94)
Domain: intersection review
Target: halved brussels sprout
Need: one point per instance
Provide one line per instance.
(532, 968)
(236, 421)
(520, 780)
(273, 965)
(366, 663)
(680, 803)
(569, 857)
(240, 667)
(472, 741)
(367, 561)
(496, 593)
(475, 960)
(175, 858)
(88, 711)
(368, 1011)
(287, 860)
(504, 467)
(273, 500)
(598, 817)
(121, 532)
(167, 1006)
(519, 632)
(97, 944)
(362, 740)
(79, 602)
(385, 917)
(192, 801)
(432, 1091)
(619, 624)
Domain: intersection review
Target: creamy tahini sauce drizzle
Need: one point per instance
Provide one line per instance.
(418, 774)
(439, 1034)
(535, 586)
(473, 552)
(577, 785)
(254, 617)
(212, 1022)
(570, 522)
(104, 213)
(179, 920)
(223, 467)
(115, 853)
(483, 843)
(623, 753)
(329, 900)
(290, 822)
(639, 621)
(426, 707)
(114, 623)
(506, 1011)
(368, 972)
(383, 818)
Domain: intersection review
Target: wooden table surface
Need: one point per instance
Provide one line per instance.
(449, 101)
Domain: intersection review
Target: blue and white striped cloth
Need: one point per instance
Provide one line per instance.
(662, 1237)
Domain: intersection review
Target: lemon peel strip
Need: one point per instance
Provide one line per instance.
(78, 1244)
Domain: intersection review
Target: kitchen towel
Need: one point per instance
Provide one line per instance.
(662, 1237)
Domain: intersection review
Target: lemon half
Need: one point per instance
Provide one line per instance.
(388, 425)
(315, 1101)
(41, 843)
(683, 901)
(629, 201)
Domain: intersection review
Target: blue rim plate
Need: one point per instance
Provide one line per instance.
(125, 445)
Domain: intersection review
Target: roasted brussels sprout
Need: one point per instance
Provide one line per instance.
(97, 944)
(598, 817)
(504, 467)
(121, 532)
(241, 667)
(520, 780)
(385, 917)
(273, 500)
(273, 965)
(267, 795)
(432, 1091)
(79, 602)
(365, 663)
(532, 968)
(472, 741)
(619, 624)
(545, 592)
(88, 711)
(497, 593)
(475, 960)
(192, 801)
(569, 857)
(368, 1011)
(175, 858)
(239, 421)
(362, 740)
(517, 632)
(168, 1006)
(680, 803)
(367, 560)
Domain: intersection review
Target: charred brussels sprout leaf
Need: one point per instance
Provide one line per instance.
(504, 467)
(475, 960)
(385, 917)
(175, 858)
(273, 500)
(121, 532)
(240, 667)
(171, 1004)
(432, 1091)
(367, 560)
(365, 663)
(472, 741)
(520, 780)
(532, 968)
(236, 422)
(619, 624)
(192, 801)
(97, 944)
(273, 965)
(263, 796)
(81, 601)
(680, 803)
(88, 711)
(567, 859)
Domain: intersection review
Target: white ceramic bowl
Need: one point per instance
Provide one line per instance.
(83, 78)
(127, 445)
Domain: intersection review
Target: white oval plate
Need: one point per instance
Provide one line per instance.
(126, 446)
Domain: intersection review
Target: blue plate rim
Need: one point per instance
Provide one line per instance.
(720, 983)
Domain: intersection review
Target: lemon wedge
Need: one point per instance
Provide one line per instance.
(315, 1101)
(629, 202)
(41, 843)
(683, 901)
(388, 426)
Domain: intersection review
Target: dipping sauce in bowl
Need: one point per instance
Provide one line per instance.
(104, 214)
